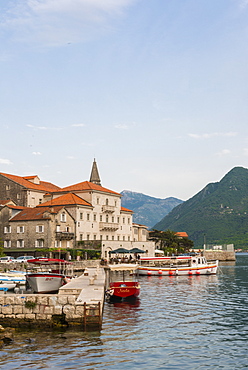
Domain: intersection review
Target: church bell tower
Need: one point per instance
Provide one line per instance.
(94, 177)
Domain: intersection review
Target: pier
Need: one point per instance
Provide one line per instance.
(78, 303)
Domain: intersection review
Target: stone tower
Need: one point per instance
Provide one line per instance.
(94, 177)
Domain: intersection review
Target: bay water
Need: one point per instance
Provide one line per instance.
(195, 322)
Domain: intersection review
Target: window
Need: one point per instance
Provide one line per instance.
(58, 228)
(7, 187)
(107, 219)
(40, 201)
(124, 238)
(81, 215)
(100, 237)
(7, 229)
(97, 200)
(20, 243)
(106, 237)
(88, 236)
(128, 220)
(94, 237)
(18, 196)
(81, 236)
(63, 217)
(88, 216)
(40, 228)
(123, 220)
(128, 238)
(20, 229)
(107, 202)
(7, 243)
(113, 238)
(118, 220)
(100, 217)
(94, 217)
(39, 243)
(118, 237)
(113, 219)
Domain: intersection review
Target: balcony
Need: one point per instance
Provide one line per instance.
(107, 226)
(108, 209)
(64, 235)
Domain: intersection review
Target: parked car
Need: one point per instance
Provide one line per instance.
(6, 259)
(23, 258)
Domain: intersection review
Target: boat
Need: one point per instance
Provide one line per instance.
(13, 277)
(122, 290)
(7, 286)
(47, 281)
(178, 265)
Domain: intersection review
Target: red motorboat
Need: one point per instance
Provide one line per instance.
(120, 290)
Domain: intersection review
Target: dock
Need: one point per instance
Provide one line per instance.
(78, 303)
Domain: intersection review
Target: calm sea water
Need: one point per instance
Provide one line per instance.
(198, 322)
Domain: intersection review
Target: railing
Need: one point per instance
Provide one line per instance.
(64, 235)
(108, 226)
(108, 209)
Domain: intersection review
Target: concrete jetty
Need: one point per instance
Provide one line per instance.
(78, 303)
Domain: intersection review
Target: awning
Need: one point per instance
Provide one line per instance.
(136, 250)
(119, 250)
(159, 251)
(123, 267)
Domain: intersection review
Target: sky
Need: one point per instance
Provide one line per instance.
(155, 90)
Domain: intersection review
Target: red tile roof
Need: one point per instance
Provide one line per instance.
(183, 234)
(125, 210)
(31, 214)
(87, 185)
(66, 200)
(43, 186)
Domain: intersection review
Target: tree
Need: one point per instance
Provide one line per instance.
(170, 242)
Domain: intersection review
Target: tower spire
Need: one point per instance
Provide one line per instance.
(94, 177)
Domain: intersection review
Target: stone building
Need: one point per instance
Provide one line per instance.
(94, 216)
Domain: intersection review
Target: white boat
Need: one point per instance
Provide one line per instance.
(7, 286)
(48, 281)
(13, 277)
(45, 282)
(181, 265)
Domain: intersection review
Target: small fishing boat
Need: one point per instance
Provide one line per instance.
(122, 289)
(47, 281)
(174, 266)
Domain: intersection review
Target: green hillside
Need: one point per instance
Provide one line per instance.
(217, 214)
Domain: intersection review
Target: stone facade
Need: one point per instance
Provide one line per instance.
(47, 310)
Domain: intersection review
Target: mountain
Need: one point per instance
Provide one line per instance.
(147, 210)
(218, 214)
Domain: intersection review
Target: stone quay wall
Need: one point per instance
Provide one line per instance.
(220, 255)
(47, 310)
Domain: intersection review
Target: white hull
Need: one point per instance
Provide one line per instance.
(161, 271)
(181, 265)
(10, 278)
(7, 286)
(44, 282)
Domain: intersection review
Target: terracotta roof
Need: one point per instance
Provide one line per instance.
(183, 234)
(6, 201)
(35, 213)
(125, 210)
(43, 186)
(66, 200)
(16, 207)
(87, 185)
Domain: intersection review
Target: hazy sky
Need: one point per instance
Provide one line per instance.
(155, 90)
